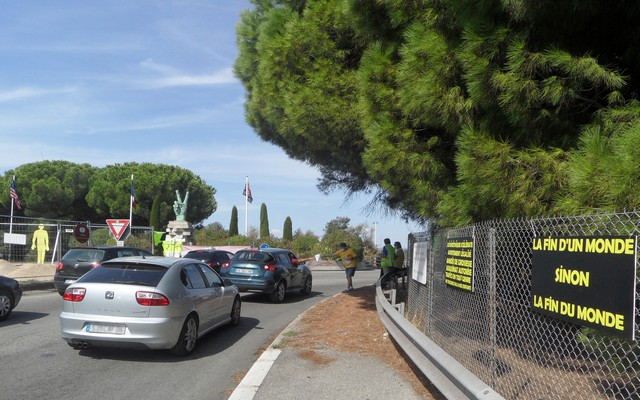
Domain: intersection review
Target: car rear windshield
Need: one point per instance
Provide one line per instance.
(127, 274)
(255, 256)
(84, 255)
(198, 255)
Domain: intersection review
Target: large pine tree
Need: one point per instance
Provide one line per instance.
(452, 110)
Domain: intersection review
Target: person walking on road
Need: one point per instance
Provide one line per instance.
(388, 256)
(348, 257)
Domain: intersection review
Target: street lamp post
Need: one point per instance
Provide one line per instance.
(375, 236)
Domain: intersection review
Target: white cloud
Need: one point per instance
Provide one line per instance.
(26, 92)
(172, 77)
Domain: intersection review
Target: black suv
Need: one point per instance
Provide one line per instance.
(80, 260)
(213, 258)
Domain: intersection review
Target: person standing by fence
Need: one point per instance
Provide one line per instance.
(388, 255)
(398, 261)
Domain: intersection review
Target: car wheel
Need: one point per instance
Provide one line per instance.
(5, 306)
(306, 289)
(188, 337)
(278, 295)
(235, 312)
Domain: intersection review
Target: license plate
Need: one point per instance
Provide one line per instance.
(104, 328)
(70, 281)
(244, 270)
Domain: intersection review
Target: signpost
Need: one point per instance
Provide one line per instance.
(81, 232)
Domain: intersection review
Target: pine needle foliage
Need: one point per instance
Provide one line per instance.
(452, 110)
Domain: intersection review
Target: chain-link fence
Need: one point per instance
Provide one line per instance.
(21, 238)
(480, 293)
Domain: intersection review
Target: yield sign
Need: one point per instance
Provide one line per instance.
(118, 227)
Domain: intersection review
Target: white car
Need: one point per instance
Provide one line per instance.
(149, 303)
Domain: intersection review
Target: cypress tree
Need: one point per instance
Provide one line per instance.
(287, 231)
(233, 224)
(154, 214)
(264, 222)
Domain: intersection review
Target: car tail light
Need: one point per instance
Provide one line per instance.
(59, 266)
(270, 267)
(74, 294)
(151, 299)
(225, 265)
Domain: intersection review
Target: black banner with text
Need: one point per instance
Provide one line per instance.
(588, 281)
(459, 268)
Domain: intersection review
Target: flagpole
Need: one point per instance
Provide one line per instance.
(246, 206)
(11, 220)
(131, 203)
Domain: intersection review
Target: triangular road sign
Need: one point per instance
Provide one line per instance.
(118, 227)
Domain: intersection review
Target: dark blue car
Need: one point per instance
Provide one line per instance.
(10, 295)
(268, 270)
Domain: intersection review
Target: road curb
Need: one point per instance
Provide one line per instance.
(29, 285)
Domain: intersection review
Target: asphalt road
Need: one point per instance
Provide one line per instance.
(35, 363)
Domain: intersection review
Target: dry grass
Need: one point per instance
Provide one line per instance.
(349, 322)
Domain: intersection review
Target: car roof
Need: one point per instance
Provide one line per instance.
(166, 262)
(268, 250)
(208, 251)
(106, 247)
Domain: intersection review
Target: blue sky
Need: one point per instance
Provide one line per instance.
(106, 82)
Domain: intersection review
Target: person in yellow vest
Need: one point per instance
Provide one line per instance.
(41, 242)
(166, 247)
(388, 255)
(172, 248)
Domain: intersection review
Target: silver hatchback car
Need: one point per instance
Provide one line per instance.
(149, 303)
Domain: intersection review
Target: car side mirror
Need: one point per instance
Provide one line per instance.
(227, 282)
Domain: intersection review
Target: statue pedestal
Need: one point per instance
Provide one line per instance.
(180, 231)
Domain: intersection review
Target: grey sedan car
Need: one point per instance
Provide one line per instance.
(148, 303)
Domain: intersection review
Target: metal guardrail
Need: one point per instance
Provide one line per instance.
(451, 378)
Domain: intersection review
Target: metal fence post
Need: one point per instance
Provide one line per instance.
(492, 302)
